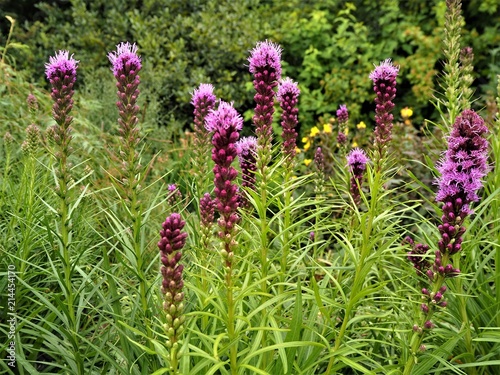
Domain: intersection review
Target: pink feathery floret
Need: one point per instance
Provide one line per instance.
(465, 162)
(223, 117)
(342, 114)
(385, 71)
(125, 58)
(246, 146)
(203, 94)
(62, 64)
(266, 54)
(357, 159)
(287, 87)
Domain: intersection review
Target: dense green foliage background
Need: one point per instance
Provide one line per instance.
(328, 46)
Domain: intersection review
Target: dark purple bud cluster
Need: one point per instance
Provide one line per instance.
(417, 256)
(171, 243)
(246, 148)
(288, 97)
(356, 162)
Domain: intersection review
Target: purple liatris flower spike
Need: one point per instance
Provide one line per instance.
(225, 123)
(61, 73)
(246, 148)
(265, 65)
(384, 85)
(342, 118)
(416, 256)
(462, 169)
(207, 209)
(174, 195)
(464, 164)
(342, 115)
(171, 243)
(203, 100)
(356, 161)
(126, 66)
(288, 97)
(319, 159)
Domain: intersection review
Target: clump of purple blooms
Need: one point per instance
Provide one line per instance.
(356, 162)
(246, 148)
(171, 243)
(225, 124)
(384, 85)
(288, 98)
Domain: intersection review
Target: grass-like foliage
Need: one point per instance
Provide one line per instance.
(123, 253)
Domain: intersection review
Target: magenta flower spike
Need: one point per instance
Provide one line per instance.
(288, 98)
(207, 209)
(356, 161)
(126, 65)
(174, 195)
(342, 118)
(246, 148)
(384, 85)
(203, 100)
(61, 73)
(462, 169)
(171, 243)
(342, 115)
(265, 65)
(225, 124)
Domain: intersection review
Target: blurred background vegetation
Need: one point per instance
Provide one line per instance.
(329, 46)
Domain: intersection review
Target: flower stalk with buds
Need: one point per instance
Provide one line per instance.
(171, 243)
(462, 169)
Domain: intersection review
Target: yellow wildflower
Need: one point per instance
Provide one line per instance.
(305, 140)
(307, 146)
(297, 150)
(346, 131)
(314, 131)
(354, 144)
(406, 112)
(307, 161)
(361, 125)
(327, 128)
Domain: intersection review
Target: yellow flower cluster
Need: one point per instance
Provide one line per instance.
(314, 132)
(406, 112)
(361, 125)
